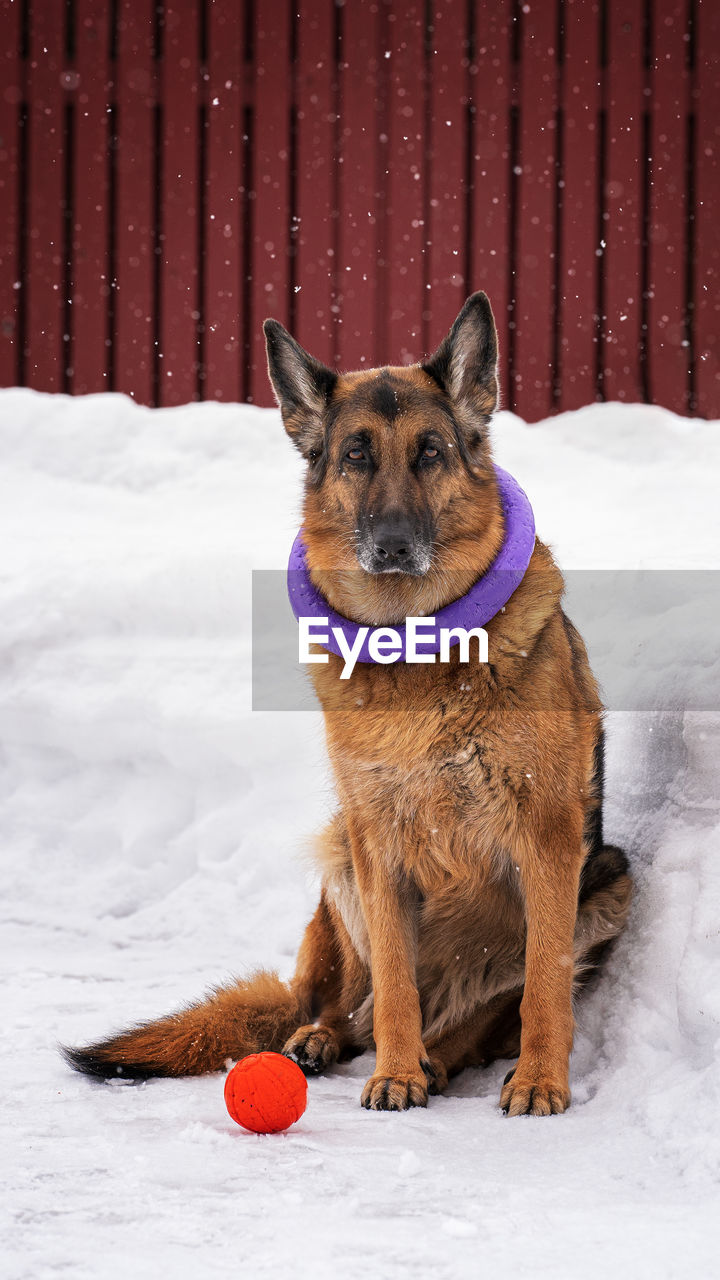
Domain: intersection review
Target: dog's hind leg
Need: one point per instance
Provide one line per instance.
(603, 906)
(332, 981)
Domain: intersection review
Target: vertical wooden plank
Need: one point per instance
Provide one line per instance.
(312, 314)
(623, 254)
(362, 72)
(402, 263)
(667, 337)
(534, 312)
(10, 283)
(44, 355)
(90, 263)
(491, 98)
(224, 258)
(706, 297)
(579, 245)
(270, 284)
(446, 232)
(180, 187)
(134, 212)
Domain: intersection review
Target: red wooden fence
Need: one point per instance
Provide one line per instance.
(170, 174)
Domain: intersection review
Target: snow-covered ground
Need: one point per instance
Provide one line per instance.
(153, 833)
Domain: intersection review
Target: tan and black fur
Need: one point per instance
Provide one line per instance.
(466, 885)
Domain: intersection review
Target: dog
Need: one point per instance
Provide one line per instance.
(467, 891)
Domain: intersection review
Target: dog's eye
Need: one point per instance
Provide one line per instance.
(355, 455)
(430, 454)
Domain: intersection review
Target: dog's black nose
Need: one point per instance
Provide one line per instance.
(393, 541)
(392, 545)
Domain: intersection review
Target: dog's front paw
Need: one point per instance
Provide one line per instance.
(395, 1093)
(526, 1095)
(313, 1048)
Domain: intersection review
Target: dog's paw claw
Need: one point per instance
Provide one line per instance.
(394, 1093)
(522, 1096)
(313, 1048)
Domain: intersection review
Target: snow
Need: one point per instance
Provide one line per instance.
(154, 830)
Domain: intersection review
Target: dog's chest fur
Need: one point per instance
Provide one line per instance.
(434, 787)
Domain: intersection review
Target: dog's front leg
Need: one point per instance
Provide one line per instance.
(390, 910)
(550, 873)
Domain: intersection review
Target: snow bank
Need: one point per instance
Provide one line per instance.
(152, 830)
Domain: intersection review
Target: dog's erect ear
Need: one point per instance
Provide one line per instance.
(465, 363)
(302, 385)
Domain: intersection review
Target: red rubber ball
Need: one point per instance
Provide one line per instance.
(265, 1092)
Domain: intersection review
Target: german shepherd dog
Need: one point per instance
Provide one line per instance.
(466, 888)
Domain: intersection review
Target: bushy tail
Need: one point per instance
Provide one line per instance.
(231, 1022)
